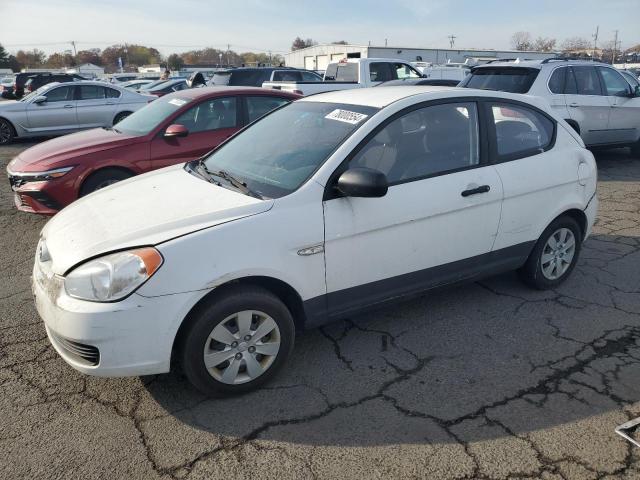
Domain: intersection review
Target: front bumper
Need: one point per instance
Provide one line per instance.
(127, 338)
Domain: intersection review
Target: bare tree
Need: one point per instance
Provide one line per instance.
(521, 41)
(544, 44)
(575, 43)
(299, 43)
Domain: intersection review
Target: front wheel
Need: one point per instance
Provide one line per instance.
(121, 116)
(6, 132)
(236, 341)
(103, 178)
(554, 256)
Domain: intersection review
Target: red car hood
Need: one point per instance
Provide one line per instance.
(59, 151)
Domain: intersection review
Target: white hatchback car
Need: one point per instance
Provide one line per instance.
(322, 208)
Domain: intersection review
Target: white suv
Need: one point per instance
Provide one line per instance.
(594, 98)
(322, 208)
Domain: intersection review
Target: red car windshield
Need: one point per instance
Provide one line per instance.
(149, 117)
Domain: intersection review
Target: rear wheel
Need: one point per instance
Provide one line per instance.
(236, 342)
(103, 178)
(121, 116)
(554, 256)
(6, 132)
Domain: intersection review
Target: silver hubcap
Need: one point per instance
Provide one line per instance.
(5, 132)
(242, 347)
(558, 253)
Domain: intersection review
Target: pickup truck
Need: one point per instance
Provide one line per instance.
(351, 73)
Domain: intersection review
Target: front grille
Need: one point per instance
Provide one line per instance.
(43, 199)
(80, 352)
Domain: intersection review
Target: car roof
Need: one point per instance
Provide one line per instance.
(381, 97)
(218, 91)
(538, 64)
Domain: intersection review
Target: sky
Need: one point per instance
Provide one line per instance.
(271, 25)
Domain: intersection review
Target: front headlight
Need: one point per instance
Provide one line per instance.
(114, 276)
(40, 176)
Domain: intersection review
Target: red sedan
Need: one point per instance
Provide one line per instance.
(176, 128)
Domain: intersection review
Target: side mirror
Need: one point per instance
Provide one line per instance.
(362, 182)
(40, 99)
(176, 130)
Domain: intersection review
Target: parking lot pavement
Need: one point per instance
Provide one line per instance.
(489, 380)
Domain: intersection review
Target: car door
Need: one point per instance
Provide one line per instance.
(56, 114)
(435, 225)
(588, 106)
(624, 117)
(534, 176)
(381, 72)
(94, 109)
(557, 85)
(209, 122)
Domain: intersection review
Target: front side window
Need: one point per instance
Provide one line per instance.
(277, 154)
(405, 71)
(424, 142)
(60, 94)
(587, 81)
(286, 76)
(310, 77)
(520, 131)
(210, 115)
(260, 106)
(342, 72)
(614, 83)
(91, 92)
(249, 78)
(504, 79)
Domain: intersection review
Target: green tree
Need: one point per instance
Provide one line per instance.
(31, 58)
(175, 62)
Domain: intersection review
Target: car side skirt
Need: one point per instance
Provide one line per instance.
(354, 300)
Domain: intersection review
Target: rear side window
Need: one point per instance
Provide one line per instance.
(380, 72)
(520, 131)
(342, 72)
(310, 77)
(91, 92)
(261, 105)
(587, 81)
(286, 76)
(557, 80)
(112, 92)
(249, 78)
(504, 79)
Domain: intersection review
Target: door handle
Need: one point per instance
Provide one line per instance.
(476, 190)
(68, 106)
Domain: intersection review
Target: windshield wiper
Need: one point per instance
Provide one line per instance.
(233, 181)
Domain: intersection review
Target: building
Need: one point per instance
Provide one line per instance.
(318, 57)
(88, 70)
(155, 68)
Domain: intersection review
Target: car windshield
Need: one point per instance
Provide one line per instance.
(36, 93)
(153, 84)
(277, 154)
(504, 79)
(149, 117)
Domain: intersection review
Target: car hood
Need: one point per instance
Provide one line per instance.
(144, 210)
(58, 151)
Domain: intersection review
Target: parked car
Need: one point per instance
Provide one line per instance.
(122, 77)
(135, 84)
(6, 87)
(324, 207)
(167, 86)
(60, 108)
(34, 82)
(448, 71)
(43, 78)
(351, 73)
(594, 98)
(173, 129)
(631, 78)
(255, 77)
(412, 82)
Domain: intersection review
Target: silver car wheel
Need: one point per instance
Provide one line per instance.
(558, 254)
(5, 132)
(242, 347)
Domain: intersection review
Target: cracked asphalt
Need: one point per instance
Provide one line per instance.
(489, 380)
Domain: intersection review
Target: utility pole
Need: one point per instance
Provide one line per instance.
(73, 44)
(595, 42)
(228, 48)
(615, 47)
(452, 40)
(385, 42)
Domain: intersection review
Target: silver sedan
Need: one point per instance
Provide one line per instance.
(60, 108)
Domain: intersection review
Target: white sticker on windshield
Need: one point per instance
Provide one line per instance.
(177, 101)
(346, 116)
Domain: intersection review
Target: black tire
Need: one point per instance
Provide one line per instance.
(531, 273)
(7, 133)
(211, 314)
(103, 178)
(121, 116)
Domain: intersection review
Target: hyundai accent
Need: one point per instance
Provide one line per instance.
(326, 206)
